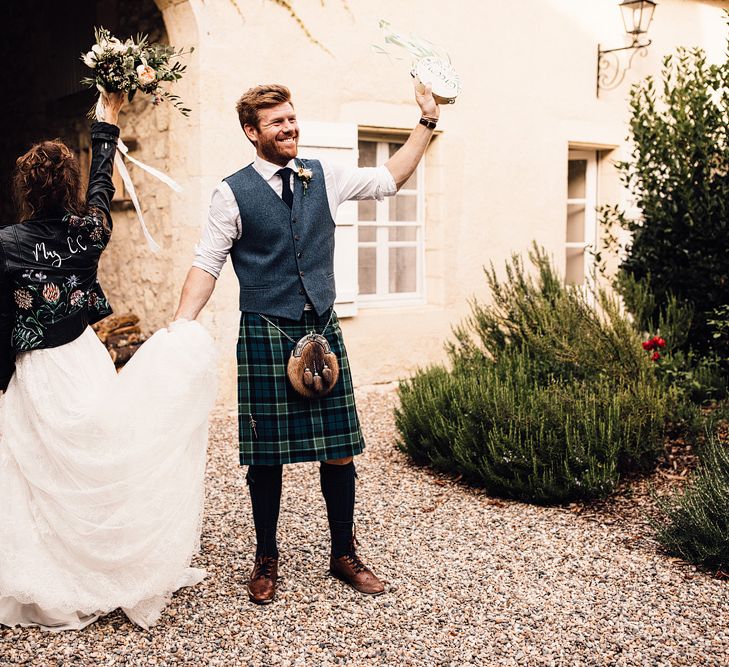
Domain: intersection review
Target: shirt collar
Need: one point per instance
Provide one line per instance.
(268, 169)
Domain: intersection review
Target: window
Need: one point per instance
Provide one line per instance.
(390, 236)
(581, 216)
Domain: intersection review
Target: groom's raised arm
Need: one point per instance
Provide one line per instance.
(403, 163)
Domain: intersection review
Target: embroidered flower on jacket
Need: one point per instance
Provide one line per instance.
(51, 293)
(96, 234)
(76, 297)
(23, 298)
(305, 175)
(72, 281)
(93, 298)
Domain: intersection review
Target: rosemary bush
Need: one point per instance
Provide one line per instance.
(695, 523)
(549, 397)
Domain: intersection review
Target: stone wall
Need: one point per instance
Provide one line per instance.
(134, 278)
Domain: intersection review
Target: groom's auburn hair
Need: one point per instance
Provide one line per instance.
(260, 97)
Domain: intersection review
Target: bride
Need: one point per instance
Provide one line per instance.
(101, 475)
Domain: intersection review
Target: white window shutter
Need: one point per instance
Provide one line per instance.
(337, 144)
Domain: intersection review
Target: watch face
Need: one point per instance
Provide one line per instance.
(439, 73)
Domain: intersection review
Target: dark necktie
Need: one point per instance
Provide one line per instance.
(286, 193)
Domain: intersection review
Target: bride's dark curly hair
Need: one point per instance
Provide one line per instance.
(46, 180)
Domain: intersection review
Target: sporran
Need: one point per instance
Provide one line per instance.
(313, 369)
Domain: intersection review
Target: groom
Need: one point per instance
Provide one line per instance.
(275, 218)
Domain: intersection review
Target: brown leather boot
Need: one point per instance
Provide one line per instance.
(262, 582)
(351, 570)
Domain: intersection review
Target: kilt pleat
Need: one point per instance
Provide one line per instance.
(275, 424)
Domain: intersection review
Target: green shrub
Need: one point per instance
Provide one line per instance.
(568, 333)
(678, 174)
(543, 442)
(700, 378)
(695, 523)
(548, 400)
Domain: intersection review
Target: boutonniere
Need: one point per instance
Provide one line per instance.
(305, 175)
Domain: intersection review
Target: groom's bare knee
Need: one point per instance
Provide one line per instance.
(340, 462)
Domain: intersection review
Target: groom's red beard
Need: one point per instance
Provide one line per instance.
(278, 150)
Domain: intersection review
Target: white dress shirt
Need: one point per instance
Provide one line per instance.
(223, 226)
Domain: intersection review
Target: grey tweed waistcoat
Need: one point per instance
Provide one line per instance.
(284, 257)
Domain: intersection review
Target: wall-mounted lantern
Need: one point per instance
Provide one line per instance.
(637, 17)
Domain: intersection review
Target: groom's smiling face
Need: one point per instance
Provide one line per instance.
(277, 136)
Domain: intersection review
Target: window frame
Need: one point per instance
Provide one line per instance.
(382, 224)
(589, 201)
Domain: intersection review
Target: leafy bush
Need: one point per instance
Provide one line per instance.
(558, 326)
(699, 377)
(695, 523)
(549, 397)
(541, 441)
(678, 174)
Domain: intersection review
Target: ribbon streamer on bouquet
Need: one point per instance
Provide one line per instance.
(417, 47)
(124, 173)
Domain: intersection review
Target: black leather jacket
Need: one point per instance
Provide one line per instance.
(49, 292)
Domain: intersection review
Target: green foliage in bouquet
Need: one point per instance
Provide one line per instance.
(132, 66)
(678, 174)
(549, 397)
(695, 523)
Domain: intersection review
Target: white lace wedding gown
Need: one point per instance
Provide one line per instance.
(101, 478)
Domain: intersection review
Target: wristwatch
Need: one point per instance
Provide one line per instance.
(428, 122)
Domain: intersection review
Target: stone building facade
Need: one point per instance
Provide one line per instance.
(525, 154)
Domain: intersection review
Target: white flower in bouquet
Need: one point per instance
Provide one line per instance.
(145, 74)
(131, 65)
(89, 59)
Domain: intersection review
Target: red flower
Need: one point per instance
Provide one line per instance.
(660, 342)
(648, 344)
(655, 356)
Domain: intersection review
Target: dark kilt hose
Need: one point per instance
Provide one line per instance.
(277, 425)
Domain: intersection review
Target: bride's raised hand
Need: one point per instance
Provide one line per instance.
(109, 105)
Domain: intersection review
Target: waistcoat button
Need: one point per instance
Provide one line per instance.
(301, 273)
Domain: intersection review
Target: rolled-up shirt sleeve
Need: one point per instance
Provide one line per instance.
(361, 182)
(221, 230)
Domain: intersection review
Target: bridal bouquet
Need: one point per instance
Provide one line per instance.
(126, 67)
(131, 65)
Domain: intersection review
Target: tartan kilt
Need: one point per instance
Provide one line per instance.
(275, 424)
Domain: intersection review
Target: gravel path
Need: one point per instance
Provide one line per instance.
(471, 581)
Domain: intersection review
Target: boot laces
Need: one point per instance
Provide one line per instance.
(354, 562)
(352, 558)
(264, 567)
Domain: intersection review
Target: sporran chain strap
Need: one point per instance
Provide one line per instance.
(329, 321)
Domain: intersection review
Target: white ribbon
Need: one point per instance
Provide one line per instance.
(416, 46)
(124, 173)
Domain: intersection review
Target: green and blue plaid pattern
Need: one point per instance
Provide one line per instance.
(277, 425)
